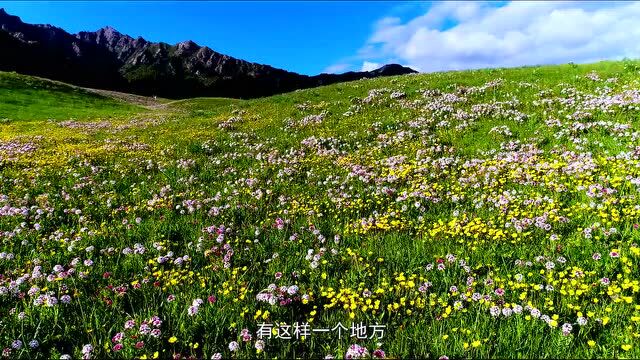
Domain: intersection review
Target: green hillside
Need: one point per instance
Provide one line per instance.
(474, 214)
(29, 98)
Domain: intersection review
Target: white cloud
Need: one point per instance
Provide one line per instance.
(337, 68)
(368, 66)
(462, 35)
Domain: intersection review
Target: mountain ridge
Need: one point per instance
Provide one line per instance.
(111, 60)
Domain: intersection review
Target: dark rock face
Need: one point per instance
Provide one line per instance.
(107, 59)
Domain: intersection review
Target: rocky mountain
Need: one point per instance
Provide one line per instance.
(110, 60)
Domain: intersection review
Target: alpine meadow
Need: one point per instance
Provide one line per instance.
(471, 214)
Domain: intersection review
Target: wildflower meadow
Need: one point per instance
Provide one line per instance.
(474, 214)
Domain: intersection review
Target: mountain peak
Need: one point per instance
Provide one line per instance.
(394, 69)
(109, 31)
(110, 60)
(5, 17)
(187, 45)
(108, 28)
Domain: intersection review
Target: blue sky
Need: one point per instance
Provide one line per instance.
(306, 37)
(310, 37)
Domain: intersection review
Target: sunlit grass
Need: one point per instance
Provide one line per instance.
(474, 214)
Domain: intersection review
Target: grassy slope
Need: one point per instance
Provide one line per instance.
(30, 98)
(190, 129)
(266, 114)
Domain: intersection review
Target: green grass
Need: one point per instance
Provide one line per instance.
(202, 107)
(29, 98)
(383, 189)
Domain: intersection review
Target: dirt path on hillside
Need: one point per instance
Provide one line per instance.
(144, 101)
